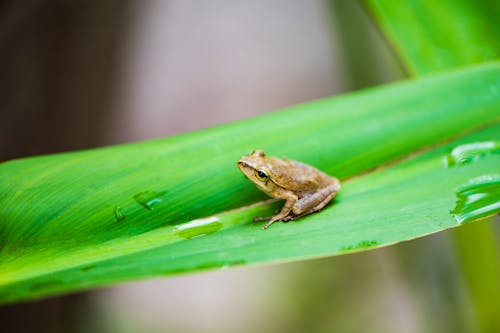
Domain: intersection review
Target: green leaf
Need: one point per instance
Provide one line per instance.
(82, 219)
(446, 34)
(437, 35)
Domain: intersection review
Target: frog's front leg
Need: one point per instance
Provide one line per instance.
(314, 202)
(291, 201)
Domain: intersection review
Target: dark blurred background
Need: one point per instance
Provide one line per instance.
(82, 74)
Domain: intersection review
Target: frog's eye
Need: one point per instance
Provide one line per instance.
(261, 174)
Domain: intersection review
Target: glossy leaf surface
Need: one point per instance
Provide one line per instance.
(83, 219)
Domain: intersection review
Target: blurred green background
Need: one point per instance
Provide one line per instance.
(82, 74)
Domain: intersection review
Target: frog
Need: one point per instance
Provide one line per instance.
(305, 188)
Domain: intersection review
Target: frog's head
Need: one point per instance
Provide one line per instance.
(256, 167)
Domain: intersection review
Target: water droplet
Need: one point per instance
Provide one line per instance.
(148, 199)
(479, 198)
(119, 215)
(199, 227)
(361, 245)
(472, 152)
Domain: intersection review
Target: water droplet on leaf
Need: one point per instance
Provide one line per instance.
(119, 215)
(472, 152)
(480, 197)
(199, 227)
(148, 199)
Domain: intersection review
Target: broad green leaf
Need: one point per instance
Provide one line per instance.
(82, 219)
(437, 35)
(445, 34)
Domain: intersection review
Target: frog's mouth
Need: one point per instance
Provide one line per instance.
(245, 168)
(242, 164)
(248, 169)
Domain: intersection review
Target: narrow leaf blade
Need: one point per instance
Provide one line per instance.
(77, 220)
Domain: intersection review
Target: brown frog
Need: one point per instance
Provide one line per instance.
(305, 189)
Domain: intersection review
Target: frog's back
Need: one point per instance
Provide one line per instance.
(299, 177)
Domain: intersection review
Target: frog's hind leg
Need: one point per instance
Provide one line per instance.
(314, 202)
(316, 208)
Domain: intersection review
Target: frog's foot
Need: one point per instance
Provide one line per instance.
(277, 218)
(265, 218)
(265, 226)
